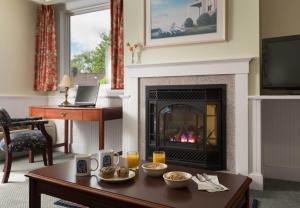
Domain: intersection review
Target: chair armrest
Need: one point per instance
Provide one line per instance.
(26, 119)
(25, 123)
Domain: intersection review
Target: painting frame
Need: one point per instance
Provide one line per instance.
(218, 36)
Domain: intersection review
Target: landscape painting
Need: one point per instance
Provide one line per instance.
(184, 21)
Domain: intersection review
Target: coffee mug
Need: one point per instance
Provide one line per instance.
(107, 158)
(83, 165)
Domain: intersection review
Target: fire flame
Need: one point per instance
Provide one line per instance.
(187, 138)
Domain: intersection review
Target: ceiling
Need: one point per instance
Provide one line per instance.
(52, 1)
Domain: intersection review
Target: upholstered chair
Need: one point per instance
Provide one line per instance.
(30, 140)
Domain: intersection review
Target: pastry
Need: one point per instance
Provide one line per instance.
(107, 172)
(122, 172)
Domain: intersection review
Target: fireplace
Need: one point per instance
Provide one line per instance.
(188, 123)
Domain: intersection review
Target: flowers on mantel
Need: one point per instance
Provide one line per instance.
(133, 48)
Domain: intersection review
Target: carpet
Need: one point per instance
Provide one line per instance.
(277, 194)
(15, 193)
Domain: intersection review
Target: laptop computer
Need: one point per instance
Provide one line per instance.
(86, 96)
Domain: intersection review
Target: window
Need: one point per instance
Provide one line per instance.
(90, 47)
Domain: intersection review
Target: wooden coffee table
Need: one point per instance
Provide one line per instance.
(60, 181)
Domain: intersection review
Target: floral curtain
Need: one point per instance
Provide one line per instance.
(117, 44)
(46, 56)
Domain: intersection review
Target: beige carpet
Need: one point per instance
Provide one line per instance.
(15, 193)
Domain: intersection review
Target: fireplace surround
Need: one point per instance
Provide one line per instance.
(188, 122)
(243, 154)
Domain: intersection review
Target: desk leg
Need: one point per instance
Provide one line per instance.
(34, 195)
(66, 136)
(101, 134)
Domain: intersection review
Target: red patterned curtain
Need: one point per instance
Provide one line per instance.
(45, 57)
(117, 44)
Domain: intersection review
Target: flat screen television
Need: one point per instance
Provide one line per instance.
(281, 63)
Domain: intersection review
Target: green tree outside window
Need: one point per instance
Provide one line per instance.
(91, 61)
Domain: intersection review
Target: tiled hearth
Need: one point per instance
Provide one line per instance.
(230, 72)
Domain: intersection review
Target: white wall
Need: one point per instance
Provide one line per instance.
(17, 46)
(280, 19)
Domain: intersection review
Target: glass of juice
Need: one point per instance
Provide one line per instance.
(159, 157)
(133, 159)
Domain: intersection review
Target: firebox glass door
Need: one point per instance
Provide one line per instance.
(181, 124)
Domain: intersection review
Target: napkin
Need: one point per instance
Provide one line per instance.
(206, 186)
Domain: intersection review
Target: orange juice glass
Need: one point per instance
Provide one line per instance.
(133, 159)
(159, 157)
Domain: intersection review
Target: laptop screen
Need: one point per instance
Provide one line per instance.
(87, 94)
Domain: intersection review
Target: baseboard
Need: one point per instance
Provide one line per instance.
(257, 181)
(282, 173)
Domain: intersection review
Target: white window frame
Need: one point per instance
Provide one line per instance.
(65, 33)
(73, 8)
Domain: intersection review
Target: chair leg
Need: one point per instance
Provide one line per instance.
(7, 166)
(45, 157)
(49, 145)
(30, 156)
(50, 155)
(4, 166)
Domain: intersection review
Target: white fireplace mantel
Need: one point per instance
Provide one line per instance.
(239, 68)
(205, 67)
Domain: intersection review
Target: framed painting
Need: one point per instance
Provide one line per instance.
(172, 22)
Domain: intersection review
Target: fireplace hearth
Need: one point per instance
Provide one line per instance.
(188, 122)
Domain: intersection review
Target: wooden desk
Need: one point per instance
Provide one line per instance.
(142, 191)
(77, 114)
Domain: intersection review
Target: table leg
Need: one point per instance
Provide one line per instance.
(34, 195)
(101, 134)
(66, 136)
(246, 199)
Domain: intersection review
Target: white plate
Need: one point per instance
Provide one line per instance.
(117, 179)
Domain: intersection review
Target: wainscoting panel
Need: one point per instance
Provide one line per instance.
(85, 136)
(18, 106)
(281, 139)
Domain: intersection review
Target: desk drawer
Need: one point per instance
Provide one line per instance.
(37, 112)
(63, 114)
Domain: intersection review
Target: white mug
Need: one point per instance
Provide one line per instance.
(107, 158)
(83, 165)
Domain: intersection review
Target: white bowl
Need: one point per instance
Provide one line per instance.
(159, 170)
(177, 183)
